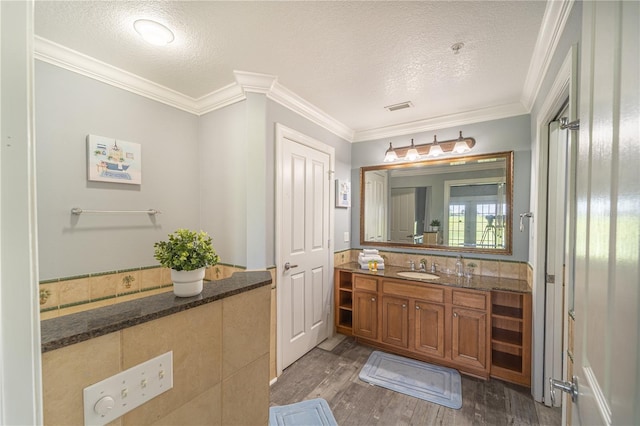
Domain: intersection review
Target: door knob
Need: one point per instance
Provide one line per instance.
(288, 266)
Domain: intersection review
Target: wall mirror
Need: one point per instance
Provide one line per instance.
(454, 204)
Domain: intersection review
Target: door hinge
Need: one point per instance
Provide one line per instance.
(551, 279)
(329, 174)
(574, 125)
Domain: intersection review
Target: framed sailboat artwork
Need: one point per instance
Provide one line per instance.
(111, 160)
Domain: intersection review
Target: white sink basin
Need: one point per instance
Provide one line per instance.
(418, 275)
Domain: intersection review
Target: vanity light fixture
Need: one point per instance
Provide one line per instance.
(390, 156)
(435, 150)
(414, 152)
(153, 32)
(461, 146)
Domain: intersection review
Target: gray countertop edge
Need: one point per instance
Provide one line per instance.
(477, 282)
(67, 330)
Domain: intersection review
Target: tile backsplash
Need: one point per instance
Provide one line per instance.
(69, 295)
(492, 268)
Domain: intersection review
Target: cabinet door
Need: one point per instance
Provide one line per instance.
(395, 321)
(469, 337)
(365, 315)
(429, 329)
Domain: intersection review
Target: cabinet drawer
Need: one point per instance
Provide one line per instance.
(365, 283)
(416, 291)
(470, 299)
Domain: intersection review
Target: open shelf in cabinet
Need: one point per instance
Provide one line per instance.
(344, 301)
(511, 336)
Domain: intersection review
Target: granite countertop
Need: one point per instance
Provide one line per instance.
(477, 282)
(69, 329)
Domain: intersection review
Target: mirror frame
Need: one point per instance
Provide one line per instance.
(508, 250)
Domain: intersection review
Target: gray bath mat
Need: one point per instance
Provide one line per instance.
(314, 412)
(432, 383)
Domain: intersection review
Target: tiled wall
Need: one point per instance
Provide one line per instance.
(68, 295)
(492, 268)
(221, 366)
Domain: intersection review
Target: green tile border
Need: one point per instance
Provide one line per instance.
(101, 298)
(97, 274)
(54, 280)
(49, 309)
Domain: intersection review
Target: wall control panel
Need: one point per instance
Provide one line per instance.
(111, 398)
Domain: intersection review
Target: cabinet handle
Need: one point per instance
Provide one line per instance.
(417, 308)
(373, 299)
(455, 314)
(404, 306)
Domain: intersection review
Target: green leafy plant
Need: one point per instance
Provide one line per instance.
(435, 222)
(471, 265)
(186, 250)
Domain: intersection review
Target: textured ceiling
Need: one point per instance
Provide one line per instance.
(350, 59)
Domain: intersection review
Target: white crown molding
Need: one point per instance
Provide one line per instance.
(295, 103)
(554, 20)
(255, 82)
(437, 123)
(220, 98)
(79, 63)
(63, 57)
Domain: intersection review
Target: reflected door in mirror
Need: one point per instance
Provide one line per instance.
(375, 207)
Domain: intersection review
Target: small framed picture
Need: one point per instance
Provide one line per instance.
(111, 160)
(343, 193)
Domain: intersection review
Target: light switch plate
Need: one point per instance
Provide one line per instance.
(111, 398)
(346, 236)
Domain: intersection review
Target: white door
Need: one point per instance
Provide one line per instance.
(403, 214)
(304, 285)
(375, 198)
(607, 264)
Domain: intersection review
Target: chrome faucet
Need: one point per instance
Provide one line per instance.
(423, 265)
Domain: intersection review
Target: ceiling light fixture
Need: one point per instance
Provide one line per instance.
(414, 152)
(461, 145)
(390, 156)
(153, 32)
(435, 150)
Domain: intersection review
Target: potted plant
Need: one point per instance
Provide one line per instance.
(187, 253)
(435, 225)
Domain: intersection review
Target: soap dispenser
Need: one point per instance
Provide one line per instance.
(459, 266)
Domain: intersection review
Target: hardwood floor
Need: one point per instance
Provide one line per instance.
(334, 376)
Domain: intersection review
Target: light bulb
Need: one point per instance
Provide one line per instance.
(153, 32)
(412, 153)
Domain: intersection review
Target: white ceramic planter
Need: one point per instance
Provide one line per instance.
(187, 283)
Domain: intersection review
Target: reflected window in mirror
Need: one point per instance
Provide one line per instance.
(455, 204)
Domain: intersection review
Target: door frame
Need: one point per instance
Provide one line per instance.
(283, 132)
(564, 87)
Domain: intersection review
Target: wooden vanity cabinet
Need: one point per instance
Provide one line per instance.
(429, 320)
(470, 328)
(395, 321)
(365, 307)
(482, 333)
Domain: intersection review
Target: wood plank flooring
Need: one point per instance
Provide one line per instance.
(334, 376)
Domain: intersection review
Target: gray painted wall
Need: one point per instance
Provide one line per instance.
(508, 134)
(214, 172)
(68, 108)
(222, 163)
